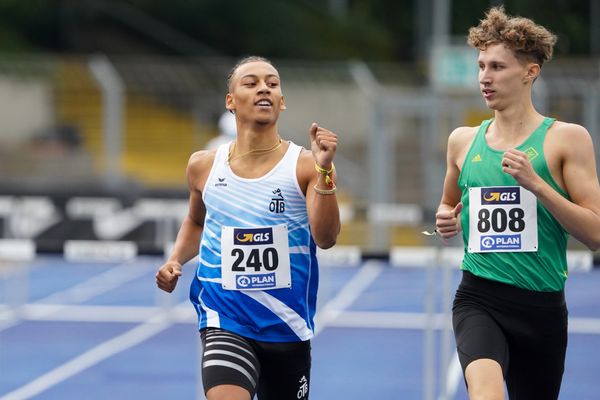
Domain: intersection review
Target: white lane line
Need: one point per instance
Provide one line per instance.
(133, 337)
(386, 320)
(332, 314)
(406, 320)
(584, 325)
(126, 314)
(349, 293)
(95, 286)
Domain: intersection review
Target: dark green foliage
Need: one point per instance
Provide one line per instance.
(374, 30)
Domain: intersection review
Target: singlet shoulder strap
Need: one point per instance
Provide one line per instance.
(218, 162)
(484, 126)
(538, 136)
(222, 151)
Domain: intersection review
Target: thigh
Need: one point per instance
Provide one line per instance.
(285, 370)
(228, 359)
(478, 335)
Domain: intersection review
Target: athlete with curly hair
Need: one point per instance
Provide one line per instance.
(517, 186)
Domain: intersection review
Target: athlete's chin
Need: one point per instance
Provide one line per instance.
(492, 105)
(264, 121)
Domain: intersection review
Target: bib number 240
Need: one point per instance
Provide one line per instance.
(268, 259)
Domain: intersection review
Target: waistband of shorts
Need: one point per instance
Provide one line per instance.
(471, 282)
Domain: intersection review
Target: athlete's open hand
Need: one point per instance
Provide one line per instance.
(323, 144)
(167, 276)
(517, 164)
(447, 223)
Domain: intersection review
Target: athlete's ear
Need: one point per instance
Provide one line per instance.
(229, 103)
(282, 104)
(533, 71)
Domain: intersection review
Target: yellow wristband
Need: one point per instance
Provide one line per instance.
(323, 171)
(326, 173)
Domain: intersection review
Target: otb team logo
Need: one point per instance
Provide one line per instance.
(303, 390)
(277, 204)
(500, 195)
(252, 236)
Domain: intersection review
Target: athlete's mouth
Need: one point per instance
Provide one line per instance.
(264, 103)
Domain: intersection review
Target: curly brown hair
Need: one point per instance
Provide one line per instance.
(528, 40)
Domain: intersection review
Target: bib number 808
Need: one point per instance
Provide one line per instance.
(268, 259)
(499, 219)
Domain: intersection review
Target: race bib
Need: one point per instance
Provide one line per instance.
(502, 219)
(255, 258)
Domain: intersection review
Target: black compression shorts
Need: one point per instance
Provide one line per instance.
(272, 371)
(524, 331)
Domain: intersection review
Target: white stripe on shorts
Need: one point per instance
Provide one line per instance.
(229, 344)
(231, 354)
(228, 364)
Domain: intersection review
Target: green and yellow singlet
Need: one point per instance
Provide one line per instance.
(509, 235)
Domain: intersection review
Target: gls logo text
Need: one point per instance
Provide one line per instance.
(500, 195)
(252, 236)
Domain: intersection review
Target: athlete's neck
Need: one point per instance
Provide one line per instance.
(515, 122)
(256, 137)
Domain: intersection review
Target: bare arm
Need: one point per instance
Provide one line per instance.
(447, 219)
(580, 216)
(323, 211)
(188, 237)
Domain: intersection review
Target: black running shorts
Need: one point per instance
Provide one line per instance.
(524, 331)
(272, 371)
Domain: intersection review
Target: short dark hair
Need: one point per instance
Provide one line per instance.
(243, 61)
